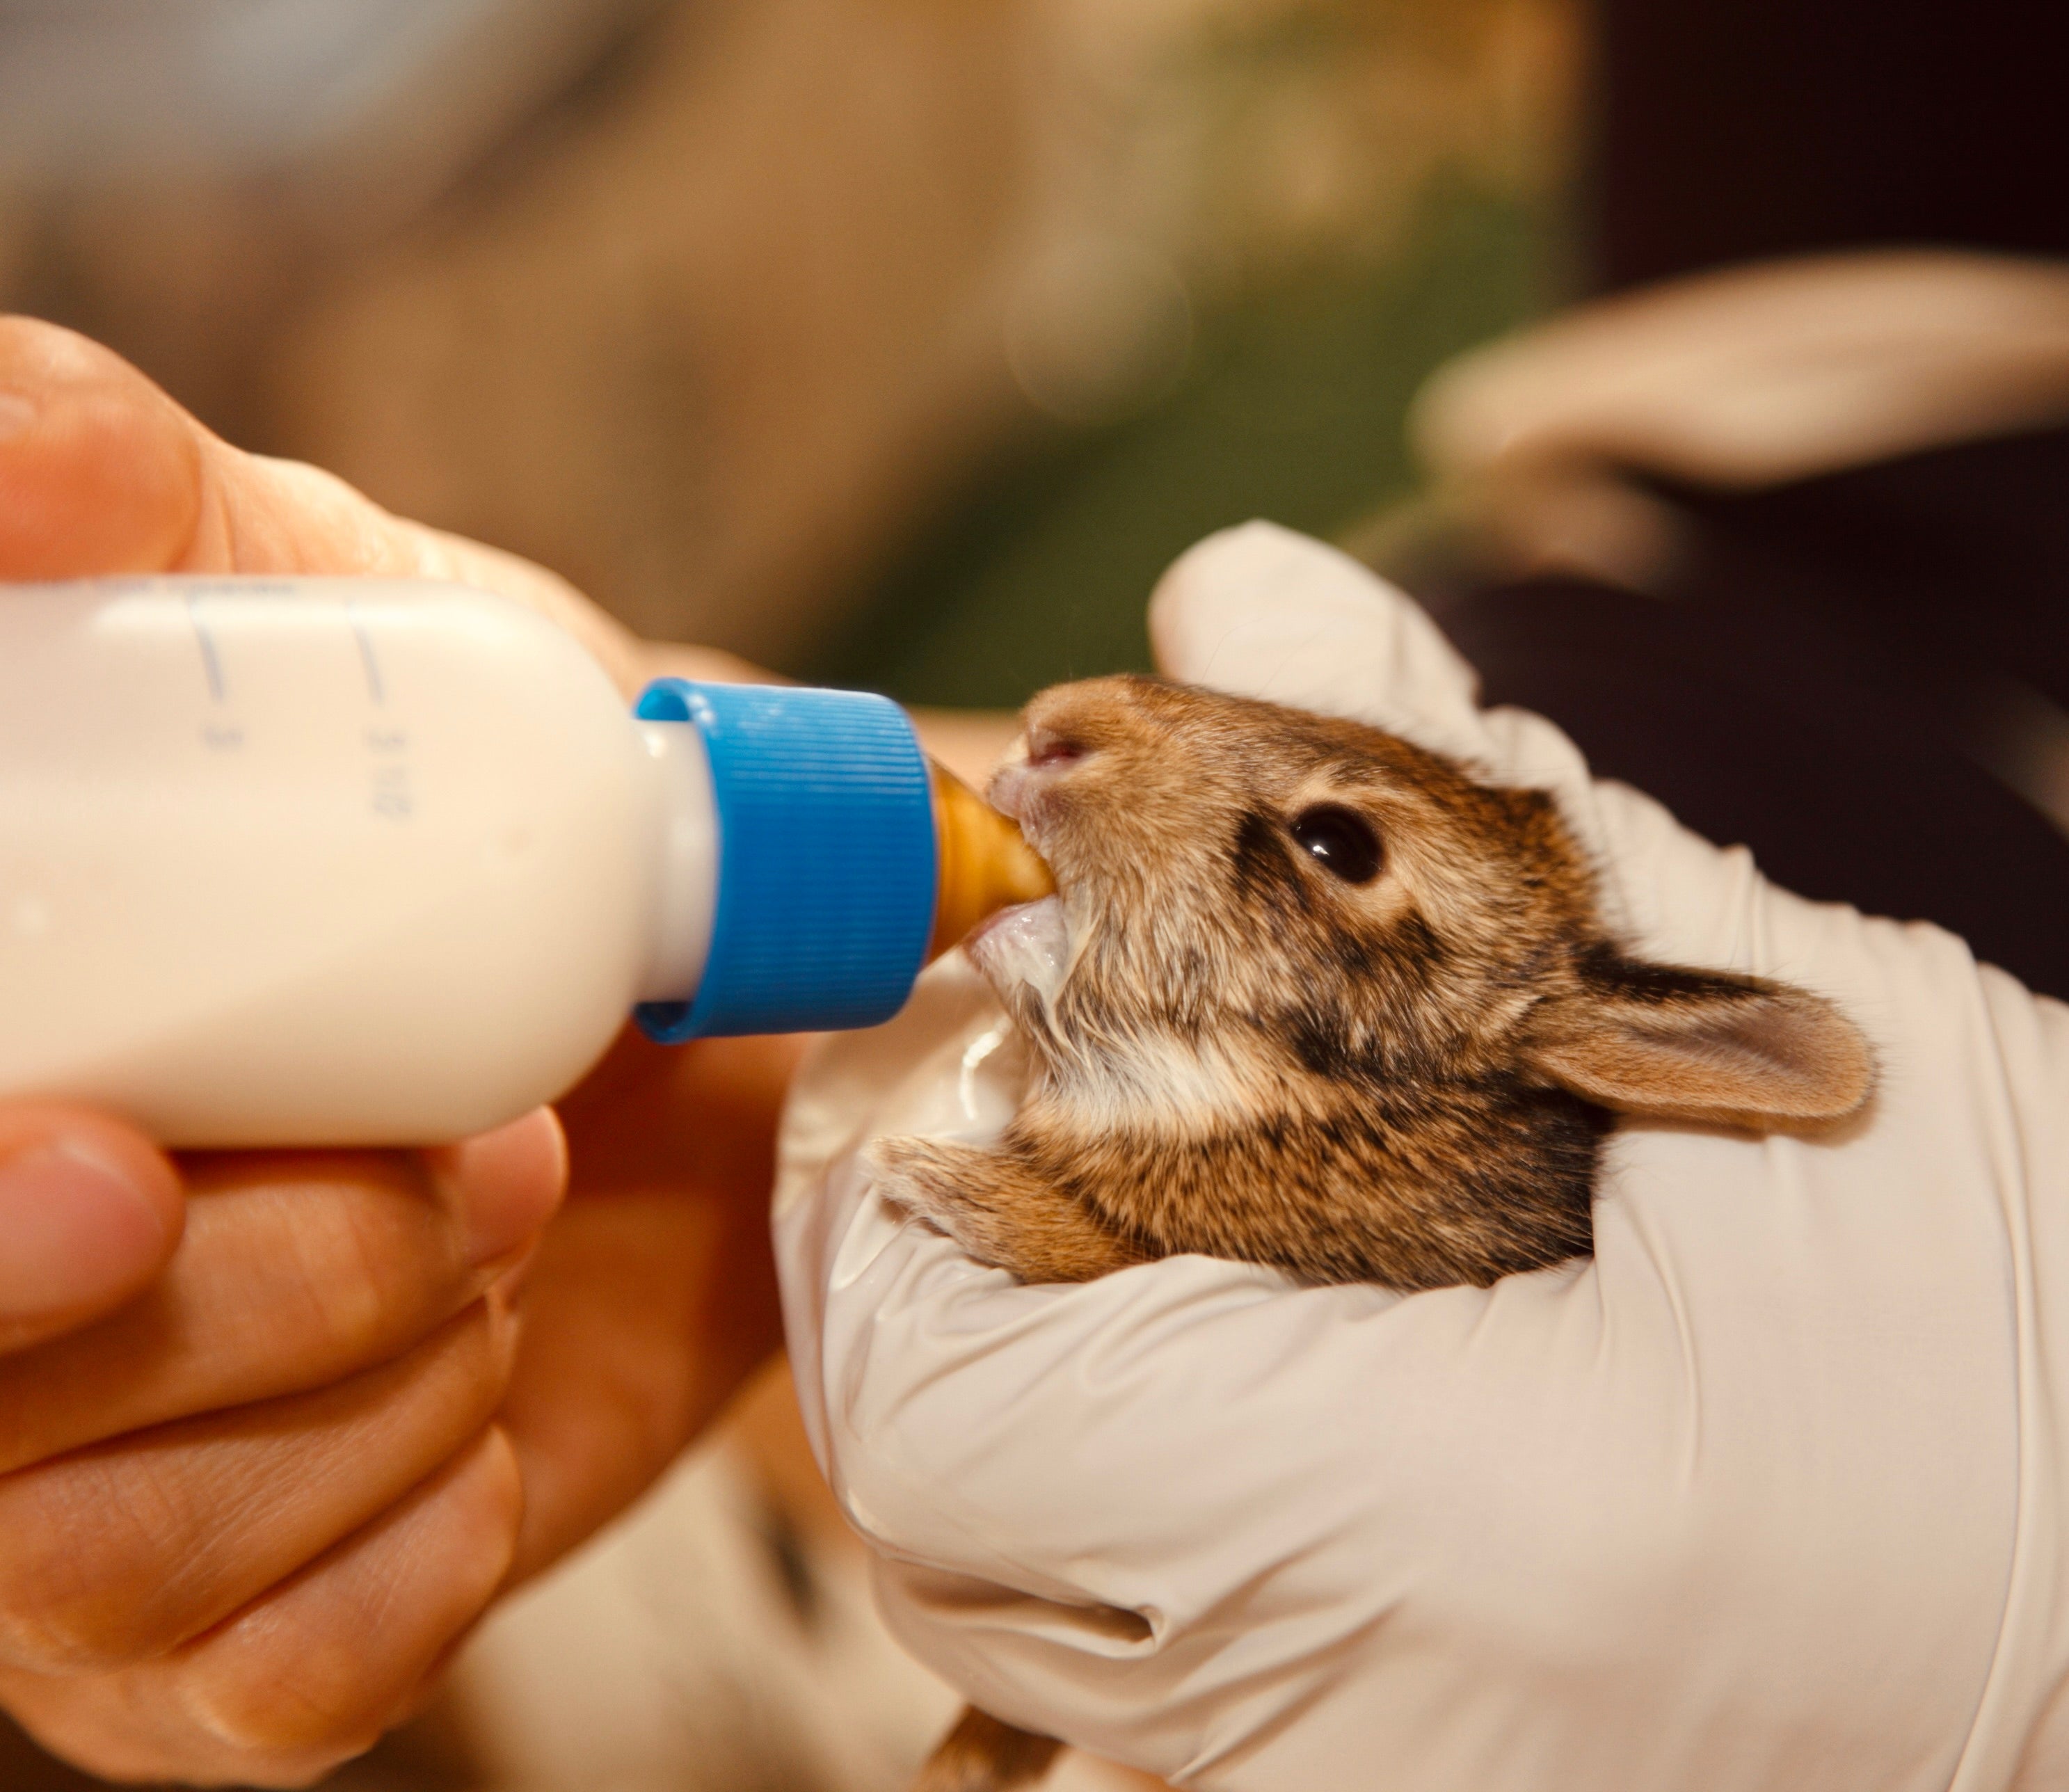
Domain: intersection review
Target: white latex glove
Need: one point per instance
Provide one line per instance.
(1768, 1495)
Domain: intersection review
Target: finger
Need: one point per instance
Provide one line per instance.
(100, 473)
(653, 1296)
(651, 1310)
(1263, 612)
(312, 1673)
(121, 1553)
(258, 515)
(90, 1212)
(509, 1182)
(296, 1273)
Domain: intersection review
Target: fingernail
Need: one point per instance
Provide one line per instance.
(17, 415)
(508, 1183)
(74, 1230)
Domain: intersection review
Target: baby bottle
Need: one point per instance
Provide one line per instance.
(331, 862)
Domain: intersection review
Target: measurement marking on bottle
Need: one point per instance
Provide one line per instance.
(389, 772)
(375, 687)
(211, 661)
(391, 792)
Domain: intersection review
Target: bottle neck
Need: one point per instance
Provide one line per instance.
(983, 864)
(683, 829)
(803, 852)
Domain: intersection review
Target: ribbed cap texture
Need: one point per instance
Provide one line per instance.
(826, 871)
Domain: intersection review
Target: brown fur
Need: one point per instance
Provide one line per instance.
(980, 1754)
(1238, 1052)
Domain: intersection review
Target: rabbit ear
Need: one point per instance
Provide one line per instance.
(1699, 1044)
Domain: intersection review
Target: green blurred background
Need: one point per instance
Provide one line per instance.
(1292, 407)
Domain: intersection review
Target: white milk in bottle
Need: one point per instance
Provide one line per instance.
(329, 862)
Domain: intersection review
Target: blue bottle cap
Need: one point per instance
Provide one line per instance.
(826, 860)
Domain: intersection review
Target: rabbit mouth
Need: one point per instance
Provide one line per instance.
(1011, 787)
(1028, 943)
(1019, 787)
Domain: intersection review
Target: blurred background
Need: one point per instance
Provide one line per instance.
(902, 343)
(895, 340)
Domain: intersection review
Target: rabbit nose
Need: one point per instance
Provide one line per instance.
(1045, 750)
(1061, 728)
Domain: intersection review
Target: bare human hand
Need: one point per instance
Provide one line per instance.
(244, 1514)
(275, 1429)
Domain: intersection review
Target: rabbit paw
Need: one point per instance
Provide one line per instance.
(999, 1210)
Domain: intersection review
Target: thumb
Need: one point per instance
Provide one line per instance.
(90, 1213)
(1262, 612)
(101, 472)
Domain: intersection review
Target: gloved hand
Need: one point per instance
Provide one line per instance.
(1770, 1493)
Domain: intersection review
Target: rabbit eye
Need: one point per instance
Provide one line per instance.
(1341, 839)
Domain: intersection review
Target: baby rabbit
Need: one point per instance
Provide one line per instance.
(1309, 996)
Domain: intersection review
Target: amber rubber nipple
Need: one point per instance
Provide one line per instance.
(985, 865)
